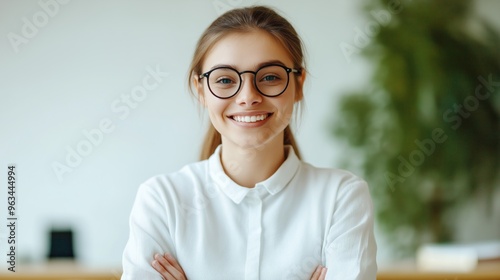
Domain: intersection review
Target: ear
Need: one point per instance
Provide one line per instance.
(198, 85)
(300, 85)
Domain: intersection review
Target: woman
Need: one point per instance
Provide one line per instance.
(251, 209)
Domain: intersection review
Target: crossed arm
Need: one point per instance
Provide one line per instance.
(170, 269)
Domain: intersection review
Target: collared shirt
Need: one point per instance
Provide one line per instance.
(283, 228)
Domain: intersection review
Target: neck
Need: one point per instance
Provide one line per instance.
(249, 166)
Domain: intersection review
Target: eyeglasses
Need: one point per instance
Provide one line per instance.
(270, 80)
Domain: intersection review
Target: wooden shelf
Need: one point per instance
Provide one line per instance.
(487, 270)
(60, 270)
(74, 271)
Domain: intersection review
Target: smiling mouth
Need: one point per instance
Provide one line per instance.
(251, 119)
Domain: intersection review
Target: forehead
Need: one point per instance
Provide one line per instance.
(244, 51)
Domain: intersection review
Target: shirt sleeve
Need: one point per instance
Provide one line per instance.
(149, 234)
(350, 246)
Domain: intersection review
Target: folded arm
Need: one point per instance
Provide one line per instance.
(350, 246)
(149, 234)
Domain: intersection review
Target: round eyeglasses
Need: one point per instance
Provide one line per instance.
(270, 80)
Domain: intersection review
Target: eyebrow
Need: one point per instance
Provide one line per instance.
(255, 67)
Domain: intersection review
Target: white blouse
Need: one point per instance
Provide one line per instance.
(283, 228)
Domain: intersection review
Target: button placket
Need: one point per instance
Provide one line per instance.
(252, 267)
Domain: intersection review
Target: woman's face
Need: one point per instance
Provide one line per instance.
(249, 119)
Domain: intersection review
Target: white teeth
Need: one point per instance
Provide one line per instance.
(250, 119)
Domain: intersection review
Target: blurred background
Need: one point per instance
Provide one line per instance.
(94, 102)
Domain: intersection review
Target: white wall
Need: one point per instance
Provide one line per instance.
(66, 76)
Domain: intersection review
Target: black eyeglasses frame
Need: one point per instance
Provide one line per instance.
(287, 69)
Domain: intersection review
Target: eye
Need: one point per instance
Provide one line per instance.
(225, 81)
(270, 78)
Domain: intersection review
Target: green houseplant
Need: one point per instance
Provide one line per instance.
(427, 126)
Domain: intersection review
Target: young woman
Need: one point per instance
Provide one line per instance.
(251, 209)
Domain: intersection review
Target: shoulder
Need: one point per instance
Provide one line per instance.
(330, 176)
(176, 184)
(335, 185)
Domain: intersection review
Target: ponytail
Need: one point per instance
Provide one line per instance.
(210, 143)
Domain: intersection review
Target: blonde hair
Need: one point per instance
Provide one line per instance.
(241, 21)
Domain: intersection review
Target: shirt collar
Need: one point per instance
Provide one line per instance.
(272, 185)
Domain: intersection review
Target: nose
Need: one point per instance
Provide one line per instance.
(248, 95)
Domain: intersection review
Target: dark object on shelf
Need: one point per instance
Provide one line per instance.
(61, 244)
